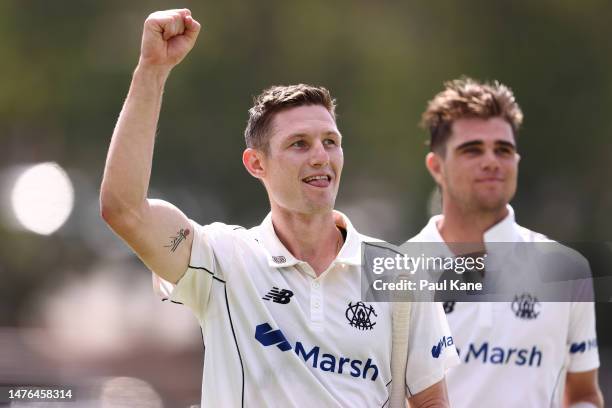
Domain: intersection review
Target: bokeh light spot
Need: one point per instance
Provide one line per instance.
(42, 198)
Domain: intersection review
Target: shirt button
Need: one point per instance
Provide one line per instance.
(316, 304)
(315, 285)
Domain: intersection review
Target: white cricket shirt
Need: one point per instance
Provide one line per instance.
(276, 335)
(512, 359)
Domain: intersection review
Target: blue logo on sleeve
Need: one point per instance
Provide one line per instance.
(444, 342)
(583, 346)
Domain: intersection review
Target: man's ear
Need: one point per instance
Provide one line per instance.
(253, 162)
(433, 162)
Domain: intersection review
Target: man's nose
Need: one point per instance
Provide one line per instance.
(490, 161)
(319, 156)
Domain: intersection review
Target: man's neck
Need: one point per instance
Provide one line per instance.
(460, 225)
(312, 238)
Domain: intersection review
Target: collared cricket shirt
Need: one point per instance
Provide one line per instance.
(277, 335)
(516, 354)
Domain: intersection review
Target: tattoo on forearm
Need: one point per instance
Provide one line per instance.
(175, 241)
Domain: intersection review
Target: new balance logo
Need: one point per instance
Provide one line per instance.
(282, 296)
(449, 307)
(266, 336)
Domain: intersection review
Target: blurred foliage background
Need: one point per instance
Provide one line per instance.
(66, 67)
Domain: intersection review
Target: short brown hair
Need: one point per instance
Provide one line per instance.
(468, 98)
(276, 99)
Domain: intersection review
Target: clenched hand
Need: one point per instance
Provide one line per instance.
(167, 38)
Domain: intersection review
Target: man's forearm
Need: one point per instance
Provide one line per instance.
(594, 400)
(435, 396)
(582, 390)
(128, 164)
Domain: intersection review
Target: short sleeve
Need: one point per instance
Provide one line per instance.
(582, 338)
(194, 288)
(431, 347)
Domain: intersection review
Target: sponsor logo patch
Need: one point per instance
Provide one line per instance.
(268, 337)
(443, 343)
(329, 363)
(488, 354)
(583, 346)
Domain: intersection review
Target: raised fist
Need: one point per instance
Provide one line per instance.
(167, 37)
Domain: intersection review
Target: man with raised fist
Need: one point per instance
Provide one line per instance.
(279, 304)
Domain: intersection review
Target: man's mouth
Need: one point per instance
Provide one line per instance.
(489, 180)
(318, 181)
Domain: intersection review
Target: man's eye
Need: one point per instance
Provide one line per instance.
(504, 151)
(299, 143)
(471, 150)
(329, 141)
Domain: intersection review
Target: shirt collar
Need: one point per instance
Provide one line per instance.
(430, 232)
(279, 256)
(504, 231)
(350, 253)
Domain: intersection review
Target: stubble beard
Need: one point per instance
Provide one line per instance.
(475, 203)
